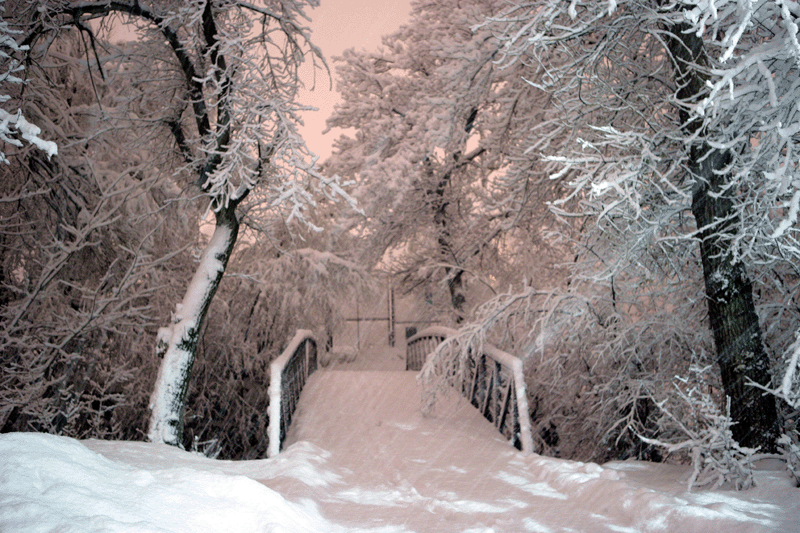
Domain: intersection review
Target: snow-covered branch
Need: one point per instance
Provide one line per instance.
(14, 126)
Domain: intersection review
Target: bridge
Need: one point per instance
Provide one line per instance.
(489, 379)
(359, 447)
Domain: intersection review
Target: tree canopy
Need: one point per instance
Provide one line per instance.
(639, 125)
(170, 138)
(437, 127)
(607, 189)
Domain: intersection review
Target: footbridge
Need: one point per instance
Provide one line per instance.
(360, 451)
(302, 394)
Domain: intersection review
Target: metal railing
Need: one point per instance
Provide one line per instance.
(288, 375)
(420, 345)
(492, 381)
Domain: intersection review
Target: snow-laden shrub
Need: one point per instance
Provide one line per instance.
(595, 356)
(707, 439)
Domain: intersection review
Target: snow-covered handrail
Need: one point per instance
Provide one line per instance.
(492, 382)
(420, 345)
(288, 375)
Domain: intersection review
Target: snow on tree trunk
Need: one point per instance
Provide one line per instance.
(177, 344)
(729, 294)
(731, 311)
(228, 105)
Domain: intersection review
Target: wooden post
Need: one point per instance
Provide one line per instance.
(391, 318)
(358, 327)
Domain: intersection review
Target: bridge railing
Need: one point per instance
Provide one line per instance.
(288, 375)
(420, 345)
(490, 379)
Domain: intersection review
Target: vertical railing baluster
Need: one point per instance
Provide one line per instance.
(504, 402)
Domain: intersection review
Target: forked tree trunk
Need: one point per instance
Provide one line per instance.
(177, 343)
(729, 294)
(439, 204)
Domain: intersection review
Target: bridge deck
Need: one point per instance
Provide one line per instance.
(348, 409)
(370, 459)
(371, 423)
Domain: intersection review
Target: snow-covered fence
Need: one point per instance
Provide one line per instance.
(288, 375)
(492, 381)
(495, 385)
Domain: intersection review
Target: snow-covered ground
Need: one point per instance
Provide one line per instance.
(362, 457)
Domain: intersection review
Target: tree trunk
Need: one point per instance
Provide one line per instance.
(177, 344)
(454, 274)
(731, 311)
(729, 294)
(439, 203)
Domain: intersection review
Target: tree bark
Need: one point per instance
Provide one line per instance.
(177, 343)
(454, 274)
(439, 203)
(731, 311)
(729, 294)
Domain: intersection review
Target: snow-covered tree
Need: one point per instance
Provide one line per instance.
(670, 108)
(13, 125)
(226, 76)
(269, 293)
(87, 239)
(437, 125)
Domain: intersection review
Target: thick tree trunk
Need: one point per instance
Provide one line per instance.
(731, 311)
(177, 344)
(733, 320)
(438, 203)
(455, 283)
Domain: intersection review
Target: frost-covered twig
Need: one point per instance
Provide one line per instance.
(716, 457)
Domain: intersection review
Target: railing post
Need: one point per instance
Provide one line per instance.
(497, 388)
(288, 375)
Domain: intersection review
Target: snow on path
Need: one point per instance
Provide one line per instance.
(370, 358)
(454, 472)
(362, 458)
(51, 484)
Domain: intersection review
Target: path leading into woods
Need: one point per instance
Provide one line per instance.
(387, 466)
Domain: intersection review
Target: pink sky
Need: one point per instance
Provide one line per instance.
(337, 25)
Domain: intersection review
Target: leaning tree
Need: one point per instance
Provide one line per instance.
(226, 76)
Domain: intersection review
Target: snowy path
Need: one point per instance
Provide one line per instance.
(362, 458)
(453, 472)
